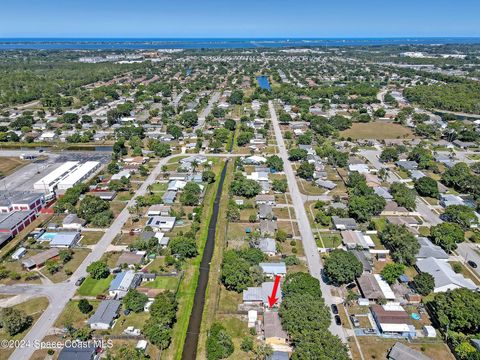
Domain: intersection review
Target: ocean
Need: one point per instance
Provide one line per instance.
(215, 43)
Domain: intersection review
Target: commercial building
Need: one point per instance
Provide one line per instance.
(21, 201)
(12, 223)
(78, 175)
(49, 183)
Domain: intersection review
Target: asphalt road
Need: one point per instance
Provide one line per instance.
(309, 245)
(203, 115)
(470, 252)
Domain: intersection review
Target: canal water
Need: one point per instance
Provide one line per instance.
(191, 341)
(263, 82)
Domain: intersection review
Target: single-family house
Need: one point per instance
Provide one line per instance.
(268, 246)
(105, 315)
(392, 319)
(274, 269)
(344, 223)
(444, 276)
(123, 282)
(401, 351)
(73, 222)
(273, 331)
(161, 223)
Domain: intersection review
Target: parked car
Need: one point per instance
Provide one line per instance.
(334, 309)
(80, 281)
(338, 321)
(355, 321)
(472, 264)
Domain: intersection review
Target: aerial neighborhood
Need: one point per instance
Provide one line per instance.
(245, 203)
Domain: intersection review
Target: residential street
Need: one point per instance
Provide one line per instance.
(309, 245)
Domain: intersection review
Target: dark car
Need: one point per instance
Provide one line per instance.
(473, 264)
(334, 309)
(80, 281)
(338, 321)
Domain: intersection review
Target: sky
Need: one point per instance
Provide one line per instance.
(241, 18)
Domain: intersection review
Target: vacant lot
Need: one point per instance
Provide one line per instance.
(9, 164)
(92, 287)
(377, 130)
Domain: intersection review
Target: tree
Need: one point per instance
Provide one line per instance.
(189, 119)
(84, 306)
(447, 235)
(362, 208)
(95, 210)
(297, 154)
(244, 138)
(342, 267)
(424, 283)
(460, 214)
(175, 131)
(208, 176)
(389, 154)
(236, 98)
(126, 352)
(426, 186)
(247, 344)
(261, 351)
(219, 343)
(237, 271)
(190, 194)
(306, 170)
(161, 149)
(14, 321)
(241, 186)
(403, 195)
(52, 266)
(279, 185)
(183, 246)
(402, 244)
(391, 272)
(275, 162)
(98, 270)
(321, 345)
(230, 124)
(135, 300)
(158, 328)
(458, 310)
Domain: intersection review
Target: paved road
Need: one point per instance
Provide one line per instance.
(310, 247)
(470, 251)
(203, 115)
(429, 215)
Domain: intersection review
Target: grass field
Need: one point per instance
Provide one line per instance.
(34, 308)
(71, 315)
(163, 282)
(92, 287)
(9, 164)
(377, 130)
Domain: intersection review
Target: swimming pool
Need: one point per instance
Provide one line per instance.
(47, 236)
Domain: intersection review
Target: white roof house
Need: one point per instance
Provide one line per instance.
(273, 269)
(444, 276)
(163, 223)
(19, 253)
(255, 160)
(119, 175)
(361, 168)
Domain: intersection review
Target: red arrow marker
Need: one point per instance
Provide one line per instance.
(272, 299)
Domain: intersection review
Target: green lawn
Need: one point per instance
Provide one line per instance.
(92, 287)
(163, 282)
